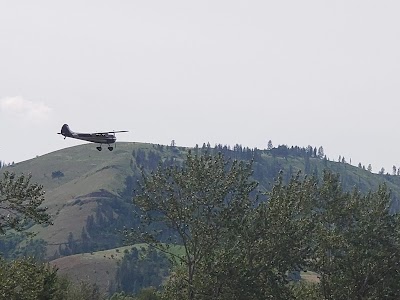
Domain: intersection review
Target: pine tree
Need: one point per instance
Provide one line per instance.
(321, 152)
(270, 145)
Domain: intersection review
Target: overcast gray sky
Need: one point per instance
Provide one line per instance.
(296, 72)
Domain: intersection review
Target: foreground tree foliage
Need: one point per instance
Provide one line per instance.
(357, 243)
(140, 269)
(27, 278)
(238, 247)
(202, 204)
(144, 294)
(20, 202)
(232, 248)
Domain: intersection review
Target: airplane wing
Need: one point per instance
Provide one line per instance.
(107, 132)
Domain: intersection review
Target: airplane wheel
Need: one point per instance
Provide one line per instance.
(98, 148)
(110, 148)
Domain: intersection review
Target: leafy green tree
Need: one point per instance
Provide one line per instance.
(148, 294)
(144, 294)
(122, 296)
(357, 244)
(26, 279)
(234, 246)
(20, 206)
(198, 203)
(140, 270)
(20, 203)
(264, 245)
(67, 290)
(306, 291)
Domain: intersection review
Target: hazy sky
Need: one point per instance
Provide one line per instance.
(294, 72)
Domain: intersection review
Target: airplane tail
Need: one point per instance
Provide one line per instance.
(65, 131)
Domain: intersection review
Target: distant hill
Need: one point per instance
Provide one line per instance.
(97, 267)
(89, 193)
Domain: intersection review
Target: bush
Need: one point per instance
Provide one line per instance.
(57, 174)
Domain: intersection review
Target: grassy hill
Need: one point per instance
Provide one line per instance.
(98, 267)
(89, 193)
(88, 178)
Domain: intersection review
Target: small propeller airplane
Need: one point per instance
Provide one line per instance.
(95, 137)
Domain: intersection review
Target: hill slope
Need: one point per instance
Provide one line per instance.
(76, 181)
(88, 193)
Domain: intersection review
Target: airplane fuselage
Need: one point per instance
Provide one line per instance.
(101, 138)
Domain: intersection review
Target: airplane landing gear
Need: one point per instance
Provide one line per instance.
(111, 148)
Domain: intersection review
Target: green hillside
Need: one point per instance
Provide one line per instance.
(81, 182)
(77, 180)
(88, 193)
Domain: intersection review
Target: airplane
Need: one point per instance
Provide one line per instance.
(96, 137)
